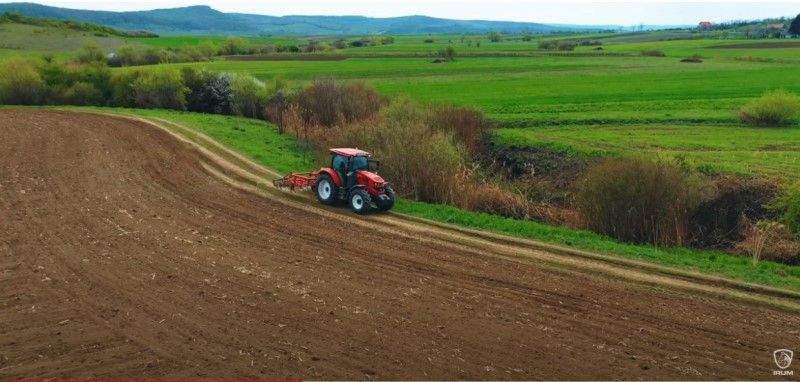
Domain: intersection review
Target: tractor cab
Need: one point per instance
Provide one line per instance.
(351, 161)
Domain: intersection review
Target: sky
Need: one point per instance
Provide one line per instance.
(542, 11)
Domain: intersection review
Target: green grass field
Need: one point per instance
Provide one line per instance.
(590, 105)
(729, 149)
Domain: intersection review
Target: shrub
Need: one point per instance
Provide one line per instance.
(208, 92)
(21, 83)
(494, 36)
(150, 56)
(61, 83)
(82, 94)
(638, 200)
(127, 56)
(716, 220)
(328, 103)
(769, 240)
(566, 45)
(774, 108)
(130, 55)
(287, 48)
(468, 126)
(208, 49)
(91, 53)
(161, 88)
(122, 88)
(653, 53)
(428, 41)
(249, 96)
(557, 45)
(695, 58)
(422, 163)
(787, 205)
(277, 105)
(492, 199)
(233, 45)
(316, 46)
(548, 44)
(588, 42)
(447, 54)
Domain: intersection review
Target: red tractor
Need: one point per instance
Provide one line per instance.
(352, 178)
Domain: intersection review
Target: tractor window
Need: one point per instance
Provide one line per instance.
(360, 163)
(338, 163)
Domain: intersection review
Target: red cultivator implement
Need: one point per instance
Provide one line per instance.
(297, 180)
(352, 178)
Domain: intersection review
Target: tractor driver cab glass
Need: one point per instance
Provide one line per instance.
(339, 164)
(360, 163)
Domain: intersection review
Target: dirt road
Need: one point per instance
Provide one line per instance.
(122, 256)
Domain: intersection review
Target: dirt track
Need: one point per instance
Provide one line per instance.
(121, 256)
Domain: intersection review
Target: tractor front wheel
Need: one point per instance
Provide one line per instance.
(387, 203)
(359, 201)
(326, 190)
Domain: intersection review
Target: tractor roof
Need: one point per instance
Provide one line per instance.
(351, 152)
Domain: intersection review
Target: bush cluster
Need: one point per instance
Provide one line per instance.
(787, 205)
(716, 222)
(774, 108)
(468, 125)
(136, 55)
(87, 81)
(364, 41)
(565, 45)
(638, 200)
(129, 55)
(21, 83)
(328, 103)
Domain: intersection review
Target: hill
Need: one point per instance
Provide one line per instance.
(98, 30)
(203, 20)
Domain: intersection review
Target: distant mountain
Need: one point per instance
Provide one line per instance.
(203, 20)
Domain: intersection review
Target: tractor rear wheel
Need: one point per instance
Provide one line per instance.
(326, 190)
(359, 201)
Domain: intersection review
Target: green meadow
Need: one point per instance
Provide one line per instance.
(595, 106)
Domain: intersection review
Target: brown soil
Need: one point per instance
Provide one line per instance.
(122, 255)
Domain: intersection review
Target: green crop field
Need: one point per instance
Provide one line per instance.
(591, 105)
(730, 149)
